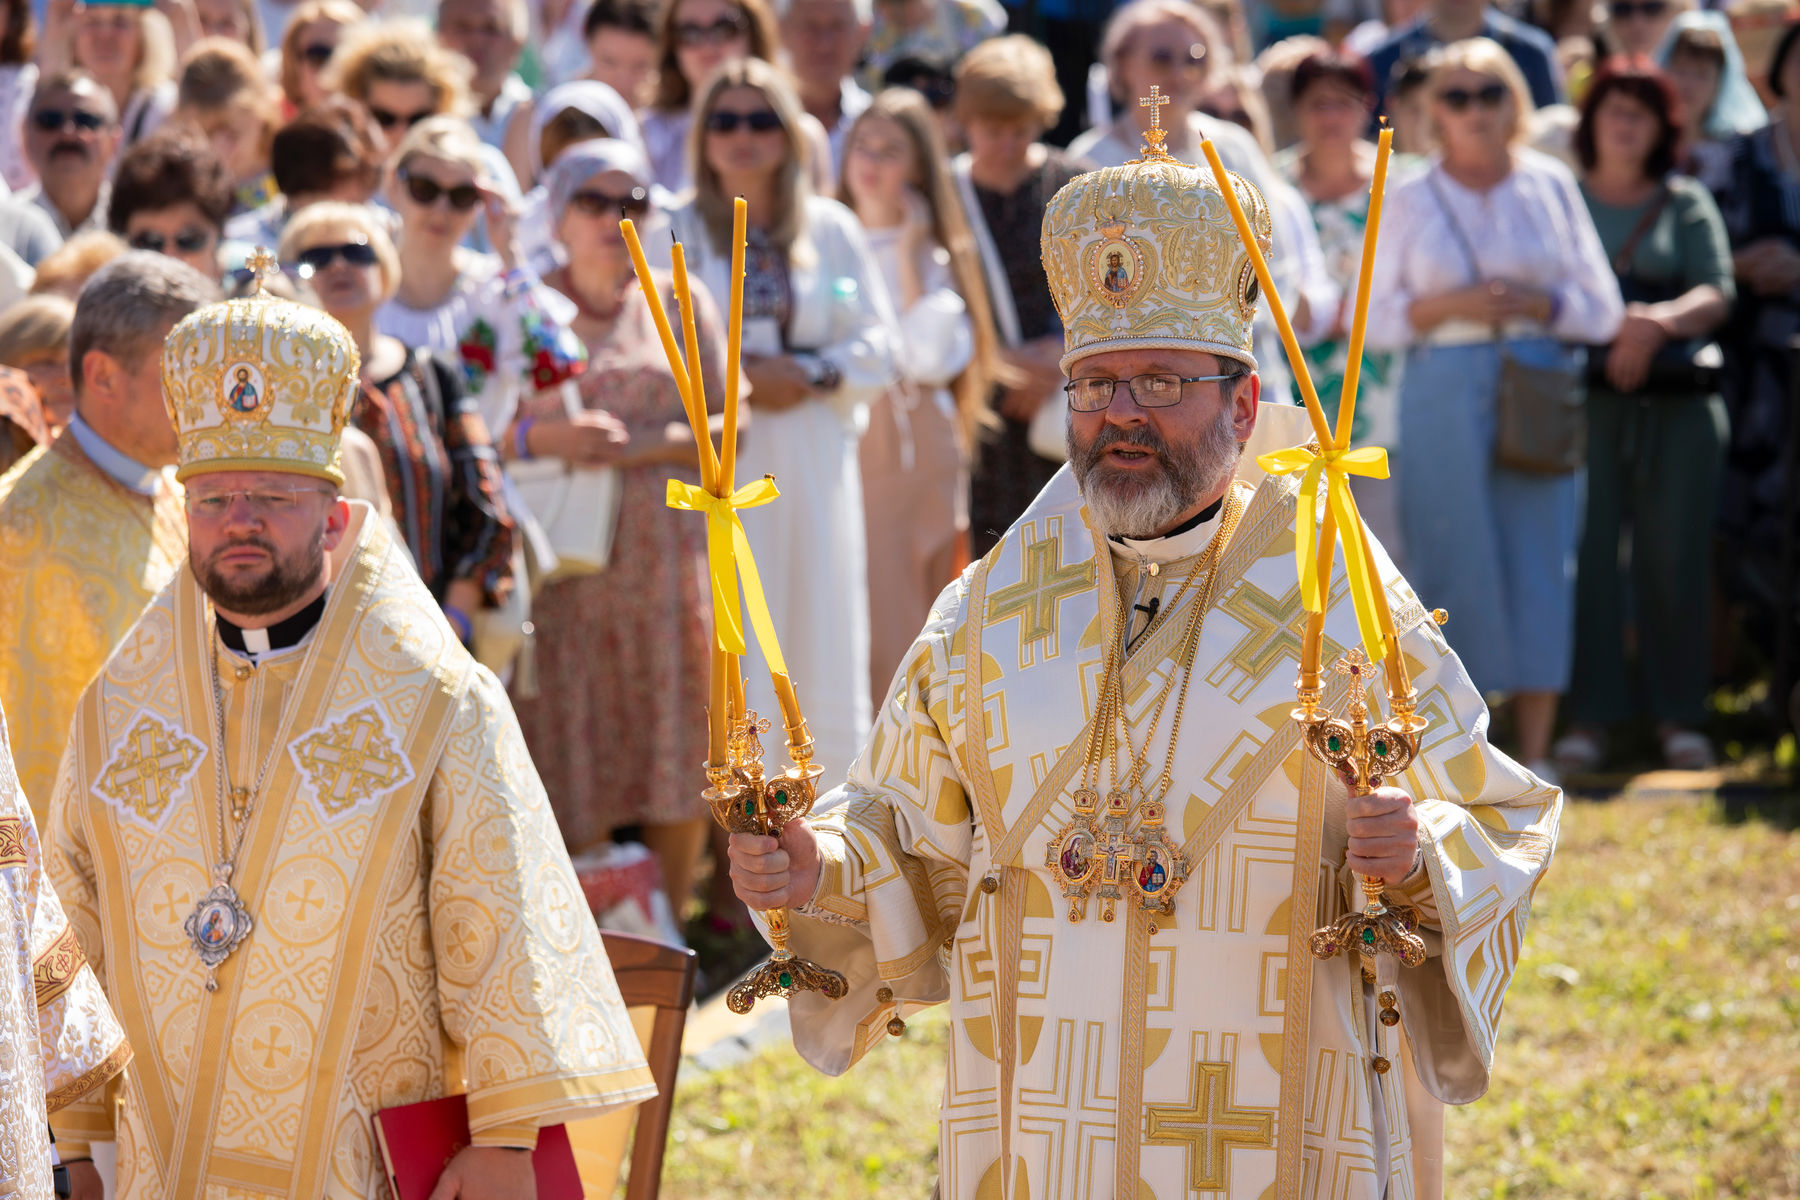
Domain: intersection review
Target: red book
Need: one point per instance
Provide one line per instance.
(417, 1141)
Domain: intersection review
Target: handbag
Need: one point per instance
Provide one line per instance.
(577, 508)
(1540, 412)
(1691, 367)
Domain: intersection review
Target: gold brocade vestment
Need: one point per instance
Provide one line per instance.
(80, 557)
(418, 928)
(1214, 1056)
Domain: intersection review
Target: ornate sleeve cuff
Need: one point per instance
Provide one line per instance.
(830, 902)
(520, 1136)
(1415, 890)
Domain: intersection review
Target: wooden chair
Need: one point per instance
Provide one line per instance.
(656, 981)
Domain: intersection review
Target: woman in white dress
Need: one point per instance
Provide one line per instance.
(820, 346)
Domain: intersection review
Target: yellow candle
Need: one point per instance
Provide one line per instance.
(695, 397)
(1359, 319)
(1288, 341)
(647, 285)
(717, 717)
(790, 708)
(734, 349)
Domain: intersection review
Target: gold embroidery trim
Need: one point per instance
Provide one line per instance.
(53, 972)
(12, 842)
(89, 1079)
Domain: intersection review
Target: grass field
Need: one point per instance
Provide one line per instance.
(1651, 1045)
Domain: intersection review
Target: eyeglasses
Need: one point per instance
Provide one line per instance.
(317, 56)
(599, 204)
(387, 120)
(1488, 95)
(425, 192)
(763, 120)
(1150, 391)
(315, 259)
(262, 502)
(1165, 57)
(725, 29)
(54, 120)
(188, 241)
(1624, 10)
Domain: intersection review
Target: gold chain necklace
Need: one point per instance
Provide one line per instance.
(1095, 856)
(220, 921)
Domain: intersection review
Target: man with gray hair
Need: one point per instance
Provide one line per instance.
(825, 40)
(91, 525)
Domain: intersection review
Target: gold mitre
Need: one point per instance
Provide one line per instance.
(259, 384)
(1145, 256)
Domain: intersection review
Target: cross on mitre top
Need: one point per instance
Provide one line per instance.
(261, 264)
(1156, 134)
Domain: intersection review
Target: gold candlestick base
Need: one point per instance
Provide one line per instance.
(744, 801)
(1364, 756)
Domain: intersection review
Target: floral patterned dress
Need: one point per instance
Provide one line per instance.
(618, 726)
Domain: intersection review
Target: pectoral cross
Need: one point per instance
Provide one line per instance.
(1156, 134)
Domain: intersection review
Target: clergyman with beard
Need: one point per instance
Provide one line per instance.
(299, 834)
(1085, 821)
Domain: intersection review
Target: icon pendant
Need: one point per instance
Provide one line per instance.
(218, 924)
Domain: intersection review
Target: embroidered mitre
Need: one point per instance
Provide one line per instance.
(259, 384)
(1145, 256)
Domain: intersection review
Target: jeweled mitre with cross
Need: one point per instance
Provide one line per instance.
(260, 384)
(1145, 255)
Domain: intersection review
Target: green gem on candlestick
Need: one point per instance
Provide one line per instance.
(785, 979)
(750, 807)
(1368, 937)
(1334, 743)
(1381, 749)
(781, 797)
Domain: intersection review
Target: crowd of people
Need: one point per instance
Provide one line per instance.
(1578, 351)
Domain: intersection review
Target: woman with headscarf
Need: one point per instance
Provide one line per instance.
(622, 650)
(1701, 57)
(579, 111)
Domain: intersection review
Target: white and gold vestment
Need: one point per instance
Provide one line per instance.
(58, 1038)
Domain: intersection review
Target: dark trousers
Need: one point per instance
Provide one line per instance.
(1654, 465)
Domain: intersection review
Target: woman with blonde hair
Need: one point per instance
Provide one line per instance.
(307, 44)
(1498, 284)
(442, 474)
(226, 97)
(819, 348)
(914, 453)
(132, 50)
(34, 338)
(399, 72)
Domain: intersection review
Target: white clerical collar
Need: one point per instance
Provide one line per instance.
(1185, 544)
(129, 472)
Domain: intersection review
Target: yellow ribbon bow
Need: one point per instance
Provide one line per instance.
(728, 559)
(1336, 466)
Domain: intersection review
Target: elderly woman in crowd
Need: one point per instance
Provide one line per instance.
(171, 194)
(696, 38)
(311, 37)
(130, 49)
(819, 347)
(1498, 282)
(225, 95)
(1656, 428)
(34, 339)
(624, 649)
(397, 71)
(441, 470)
(578, 111)
(1701, 56)
(1332, 167)
(1006, 97)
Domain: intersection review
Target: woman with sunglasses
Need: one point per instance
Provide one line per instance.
(307, 45)
(1497, 274)
(442, 473)
(399, 72)
(820, 345)
(171, 194)
(624, 650)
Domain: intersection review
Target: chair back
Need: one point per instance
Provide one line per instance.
(659, 978)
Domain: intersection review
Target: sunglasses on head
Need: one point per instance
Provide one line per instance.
(725, 29)
(188, 241)
(315, 259)
(599, 204)
(1624, 10)
(53, 120)
(763, 120)
(387, 120)
(317, 56)
(1488, 95)
(425, 192)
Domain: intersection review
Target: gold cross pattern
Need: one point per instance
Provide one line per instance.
(1156, 135)
(1038, 595)
(1209, 1125)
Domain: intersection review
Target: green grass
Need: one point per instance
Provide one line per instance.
(1650, 1049)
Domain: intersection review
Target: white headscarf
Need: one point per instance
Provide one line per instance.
(589, 96)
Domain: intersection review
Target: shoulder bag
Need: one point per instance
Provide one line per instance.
(1690, 367)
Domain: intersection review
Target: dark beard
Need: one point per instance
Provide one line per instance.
(285, 582)
(1130, 506)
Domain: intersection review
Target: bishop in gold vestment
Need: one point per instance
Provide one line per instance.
(1101, 1046)
(58, 1038)
(398, 919)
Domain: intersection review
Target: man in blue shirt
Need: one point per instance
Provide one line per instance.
(1446, 21)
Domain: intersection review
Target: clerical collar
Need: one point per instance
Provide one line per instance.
(127, 471)
(1188, 538)
(282, 635)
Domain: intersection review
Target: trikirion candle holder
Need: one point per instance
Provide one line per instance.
(1363, 753)
(742, 796)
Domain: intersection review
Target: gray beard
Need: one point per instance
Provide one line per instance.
(1129, 506)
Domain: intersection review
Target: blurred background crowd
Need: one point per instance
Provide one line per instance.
(1596, 203)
